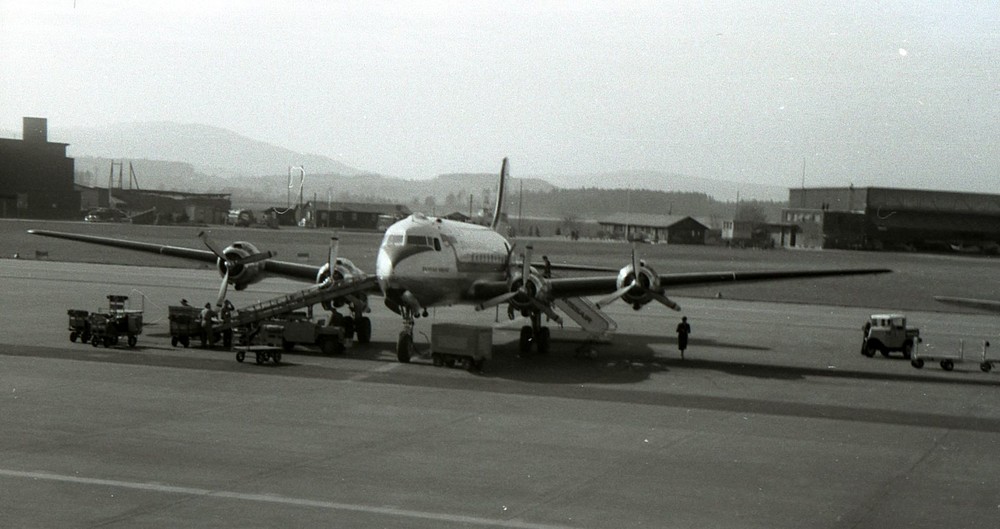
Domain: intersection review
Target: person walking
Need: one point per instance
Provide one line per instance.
(207, 322)
(547, 269)
(683, 330)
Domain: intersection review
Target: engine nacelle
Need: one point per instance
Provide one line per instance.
(647, 282)
(343, 270)
(532, 288)
(241, 275)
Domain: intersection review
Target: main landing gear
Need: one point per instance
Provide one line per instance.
(535, 334)
(358, 326)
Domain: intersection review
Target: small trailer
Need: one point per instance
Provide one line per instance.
(948, 360)
(79, 325)
(467, 345)
(107, 328)
(185, 324)
(284, 333)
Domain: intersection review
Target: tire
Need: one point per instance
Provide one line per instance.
(403, 345)
(869, 349)
(524, 343)
(917, 363)
(174, 341)
(276, 357)
(241, 356)
(542, 340)
(908, 350)
(349, 327)
(986, 367)
(186, 342)
(132, 340)
(363, 329)
(72, 336)
(947, 364)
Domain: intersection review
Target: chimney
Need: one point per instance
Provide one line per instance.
(35, 130)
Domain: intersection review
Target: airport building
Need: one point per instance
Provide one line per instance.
(350, 215)
(672, 229)
(888, 218)
(36, 176)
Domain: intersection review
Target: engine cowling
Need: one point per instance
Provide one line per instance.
(343, 270)
(526, 290)
(241, 275)
(647, 282)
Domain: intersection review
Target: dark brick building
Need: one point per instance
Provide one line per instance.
(36, 177)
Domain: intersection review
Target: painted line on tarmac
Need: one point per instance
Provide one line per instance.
(284, 500)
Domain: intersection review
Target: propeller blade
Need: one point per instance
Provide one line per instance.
(496, 301)
(665, 300)
(332, 256)
(615, 295)
(216, 249)
(222, 289)
(526, 265)
(635, 264)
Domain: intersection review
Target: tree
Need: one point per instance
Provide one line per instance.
(750, 212)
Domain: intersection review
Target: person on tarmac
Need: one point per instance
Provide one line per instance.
(207, 319)
(683, 330)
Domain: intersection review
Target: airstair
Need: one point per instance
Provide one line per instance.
(594, 322)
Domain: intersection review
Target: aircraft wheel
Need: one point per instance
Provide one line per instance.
(542, 340)
(947, 364)
(524, 343)
(403, 345)
(986, 367)
(363, 328)
(241, 356)
(917, 363)
(72, 336)
(349, 327)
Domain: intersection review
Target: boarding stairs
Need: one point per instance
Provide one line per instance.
(296, 300)
(595, 323)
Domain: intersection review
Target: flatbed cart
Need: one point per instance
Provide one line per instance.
(107, 328)
(79, 325)
(948, 361)
(986, 365)
(185, 324)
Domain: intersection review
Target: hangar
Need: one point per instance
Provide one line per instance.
(673, 229)
(36, 176)
(890, 218)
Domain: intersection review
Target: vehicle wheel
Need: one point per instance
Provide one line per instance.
(986, 367)
(349, 327)
(542, 340)
(403, 344)
(363, 329)
(276, 357)
(173, 341)
(132, 340)
(917, 363)
(240, 356)
(186, 341)
(260, 358)
(524, 344)
(72, 336)
(908, 350)
(947, 364)
(869, 350)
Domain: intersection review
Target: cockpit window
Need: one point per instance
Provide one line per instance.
(394, 240)
(416, 240)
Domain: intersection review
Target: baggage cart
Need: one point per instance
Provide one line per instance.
(107, 328)
(948, 360)
(79, 325)
(467, 345)
(185, 323)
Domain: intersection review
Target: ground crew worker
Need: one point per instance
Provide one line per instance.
(547, 271)
(207, 335)
(227, 319)
(683, 330)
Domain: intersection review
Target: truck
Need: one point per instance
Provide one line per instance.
(283, 333)
(886, 333)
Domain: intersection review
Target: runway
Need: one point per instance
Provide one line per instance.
(773, 420)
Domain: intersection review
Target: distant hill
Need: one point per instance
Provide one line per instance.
(209, 150)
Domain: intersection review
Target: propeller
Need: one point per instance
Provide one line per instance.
(646, 289)
(621, 291)
(332, 257)
(522, 290)
(230, 263)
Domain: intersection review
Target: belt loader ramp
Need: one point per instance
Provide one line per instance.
(274, 323)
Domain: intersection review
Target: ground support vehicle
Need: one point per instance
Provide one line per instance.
(185, 324)
(948, 361)
(284, 333)
(275, 322)
(986, 364)
(107, 328)
(79, 325)
(885, 333)
(457, 344)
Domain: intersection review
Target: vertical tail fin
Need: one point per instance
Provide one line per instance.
(498, 210)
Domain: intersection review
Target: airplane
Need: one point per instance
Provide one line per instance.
(989, 305)
(425, 261)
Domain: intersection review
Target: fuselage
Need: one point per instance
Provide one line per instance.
(437, 261)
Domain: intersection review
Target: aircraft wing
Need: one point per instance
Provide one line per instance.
(297, 271)
(982, 304)
(593, 286)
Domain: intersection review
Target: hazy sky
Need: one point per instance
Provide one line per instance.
(884, 93)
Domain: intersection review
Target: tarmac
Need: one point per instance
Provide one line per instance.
(773, 420)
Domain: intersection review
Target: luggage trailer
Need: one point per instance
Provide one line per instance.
(948, 360)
